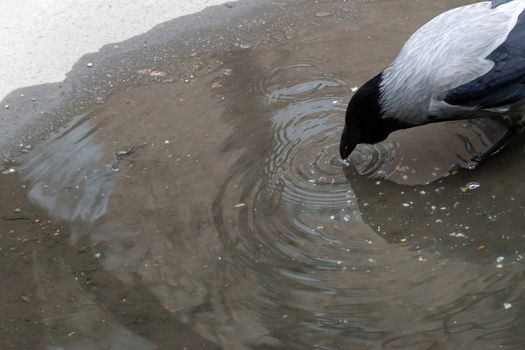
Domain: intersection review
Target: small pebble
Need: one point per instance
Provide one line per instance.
(157, 73)
(8, 171)
(507, 306)
(89, 64)
(6, 106)
(216, 85)
(473, 185)
(355, 88)
(457, 235)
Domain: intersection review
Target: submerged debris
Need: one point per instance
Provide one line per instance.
(470, 187)
(153, 72)
(123, 153)
(216, 85)
(8, 171)
(458, 235)
(127, 151)
(119, 154)
(473, 185)
(25, 299)
(157, 73)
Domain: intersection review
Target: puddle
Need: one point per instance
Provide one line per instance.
(213, 211)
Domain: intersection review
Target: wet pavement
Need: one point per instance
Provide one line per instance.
(206, 207)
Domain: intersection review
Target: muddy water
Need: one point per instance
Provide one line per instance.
(213, 212)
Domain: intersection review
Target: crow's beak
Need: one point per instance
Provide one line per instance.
(349, 140)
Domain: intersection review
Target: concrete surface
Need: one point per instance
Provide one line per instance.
(42, 39)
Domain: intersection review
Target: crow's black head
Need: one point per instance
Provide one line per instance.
(365, 121)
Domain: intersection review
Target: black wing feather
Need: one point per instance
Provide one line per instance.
(505, 82)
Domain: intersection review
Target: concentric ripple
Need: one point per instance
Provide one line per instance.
(304, 222)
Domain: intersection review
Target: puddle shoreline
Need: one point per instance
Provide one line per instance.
(37, 110)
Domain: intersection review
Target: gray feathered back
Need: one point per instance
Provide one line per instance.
(447, 52)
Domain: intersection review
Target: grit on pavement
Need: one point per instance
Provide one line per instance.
(42, 39)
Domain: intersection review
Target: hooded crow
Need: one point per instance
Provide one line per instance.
(466, 63)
